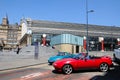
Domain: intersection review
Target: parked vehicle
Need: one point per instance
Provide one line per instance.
(60, 55)
(116, 54)
(82, 61)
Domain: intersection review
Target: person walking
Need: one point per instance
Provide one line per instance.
(18, 49)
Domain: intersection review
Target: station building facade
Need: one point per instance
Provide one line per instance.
(69, 37)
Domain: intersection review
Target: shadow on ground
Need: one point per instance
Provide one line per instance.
(113, 74)
(78, 71)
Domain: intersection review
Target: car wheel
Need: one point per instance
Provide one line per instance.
(67, 69)
(104, 67)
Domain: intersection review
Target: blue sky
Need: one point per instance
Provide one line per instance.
(106, 12)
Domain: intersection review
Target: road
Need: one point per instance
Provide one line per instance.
(47, 72)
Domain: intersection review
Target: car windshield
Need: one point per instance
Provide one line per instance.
(61, 54)
(78, 56)
(81, 56)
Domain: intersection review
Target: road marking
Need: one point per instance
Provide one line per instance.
(31, 75)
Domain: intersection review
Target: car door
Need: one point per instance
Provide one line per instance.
(86, 63)
(90, 63)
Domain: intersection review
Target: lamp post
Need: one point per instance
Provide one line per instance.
(87, 48)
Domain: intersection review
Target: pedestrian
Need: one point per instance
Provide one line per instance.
(18, 49)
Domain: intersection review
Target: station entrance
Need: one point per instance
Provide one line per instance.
(108, 44)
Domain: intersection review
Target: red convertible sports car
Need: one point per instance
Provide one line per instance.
(81, 61)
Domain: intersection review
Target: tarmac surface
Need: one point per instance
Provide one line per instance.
(11, 60)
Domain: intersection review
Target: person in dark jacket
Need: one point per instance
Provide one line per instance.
(18, 49)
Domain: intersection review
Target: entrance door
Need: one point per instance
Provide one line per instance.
(77, 49)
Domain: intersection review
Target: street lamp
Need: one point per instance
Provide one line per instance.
(87, 49)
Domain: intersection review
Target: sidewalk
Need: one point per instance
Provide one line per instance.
(11, 60)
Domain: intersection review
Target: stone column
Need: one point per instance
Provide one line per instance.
(101, 39)
(29, 36)
(29, 39)
(84, 43)
(44, 40)
(118, 39)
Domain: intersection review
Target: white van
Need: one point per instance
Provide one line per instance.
(116, 54)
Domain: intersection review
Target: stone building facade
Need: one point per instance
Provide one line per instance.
(10, 34)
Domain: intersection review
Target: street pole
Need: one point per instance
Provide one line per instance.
(87, 25)
(87, 43)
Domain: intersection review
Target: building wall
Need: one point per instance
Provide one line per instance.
(10, 34)
(68, 48)
(23, 40)
(19, 34)
(64, 48)
(3, 35)
(68, 43)
(24, 29)
(67, 38)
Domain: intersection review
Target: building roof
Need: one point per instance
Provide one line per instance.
(73, 28)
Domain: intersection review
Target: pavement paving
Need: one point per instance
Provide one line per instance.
(10, 60)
